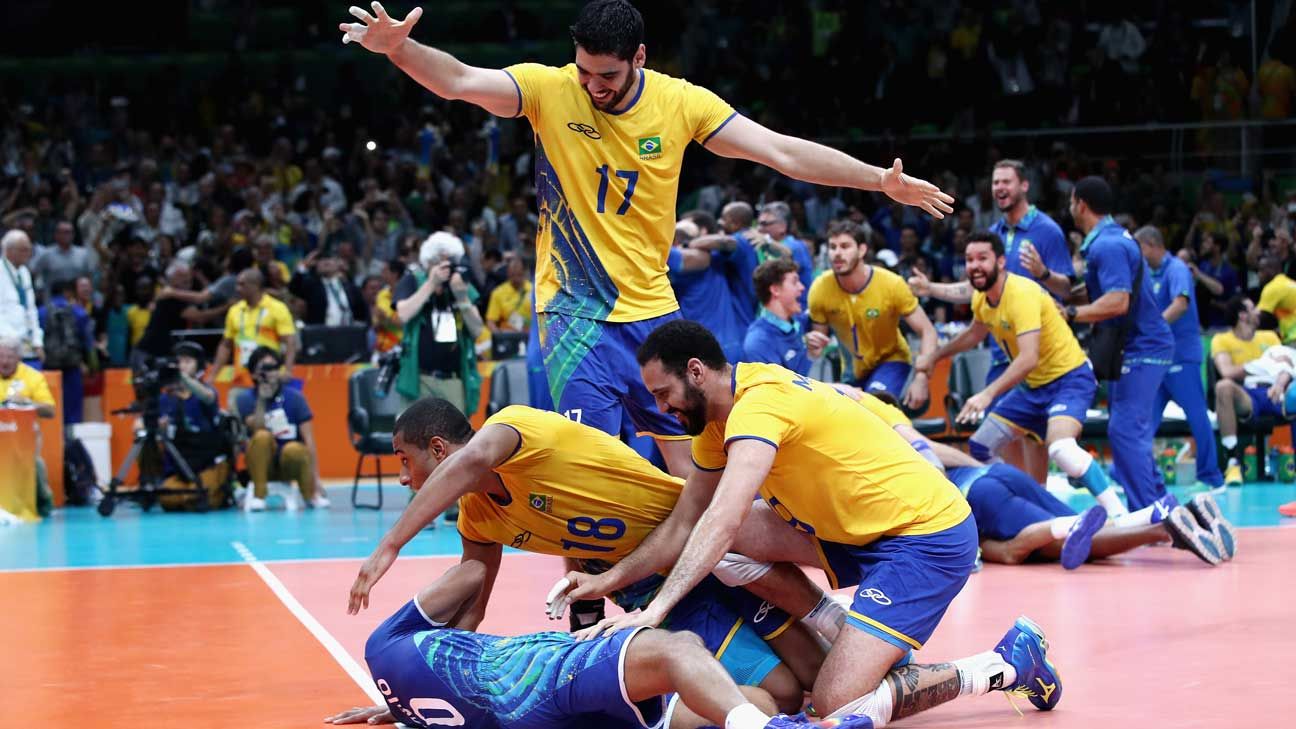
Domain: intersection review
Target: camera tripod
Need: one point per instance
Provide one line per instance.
(150, 486)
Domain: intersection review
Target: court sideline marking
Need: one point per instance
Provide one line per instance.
(344, 659)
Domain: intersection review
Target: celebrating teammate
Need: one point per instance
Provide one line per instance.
(627, 680)
(857, 501)
(610, 138)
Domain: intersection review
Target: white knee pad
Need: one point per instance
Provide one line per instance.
(1070, 457)
(992, 435)
(736, 570)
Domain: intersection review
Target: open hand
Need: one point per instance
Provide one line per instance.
(362, 715)
(912, 191)
(380, 34)
(919, 284)
(642, 619)
(974, 409)
(370, 572)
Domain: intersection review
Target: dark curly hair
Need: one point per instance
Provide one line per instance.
(609, 27)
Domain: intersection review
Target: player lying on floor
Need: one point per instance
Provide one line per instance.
(542, 483)
(1018, 520)
(431, 672)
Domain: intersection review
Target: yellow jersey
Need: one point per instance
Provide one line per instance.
(606, 185)
(890, 414)
(866, 322)
(573, 491)
(1242, 351)
(26, 382)
(268, 323)
(1023, 308)
(137, 319)
(1278, 297)
(841, 473)
(509, 308)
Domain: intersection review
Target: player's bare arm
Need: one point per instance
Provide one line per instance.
(954, 293)
(813, 162)
(967, 339)
(437, 71)
(1021, 365)
(489, 556)
(918, 321)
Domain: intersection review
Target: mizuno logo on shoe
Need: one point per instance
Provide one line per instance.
(1048, 689)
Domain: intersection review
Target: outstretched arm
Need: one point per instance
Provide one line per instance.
(813, 162)
(437, 71)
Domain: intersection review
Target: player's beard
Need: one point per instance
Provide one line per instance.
(1010, 202)
(859, 258)
(693, 415)
(618, 96)
(990, 280)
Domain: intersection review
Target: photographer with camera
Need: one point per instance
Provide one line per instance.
(190, 416)
(282, 442)
(441, 323)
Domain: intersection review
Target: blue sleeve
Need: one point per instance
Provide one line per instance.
(1229, 280)
(801, 254)
(1179, 279)
(1114, 273)
(296, 408)
(244, 403)
(756, 348)
(1053, 250)
(675, 261)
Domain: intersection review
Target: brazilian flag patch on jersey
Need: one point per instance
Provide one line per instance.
(650, 147)
(542, 502)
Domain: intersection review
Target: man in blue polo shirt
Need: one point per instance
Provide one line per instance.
(775, 220)
(1176, 296)
(1112, 263)
(698, 275)
(777, 337)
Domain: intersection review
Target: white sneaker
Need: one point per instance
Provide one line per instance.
(320, 501)
(254, 504)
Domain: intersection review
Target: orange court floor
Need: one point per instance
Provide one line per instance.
(238, 620)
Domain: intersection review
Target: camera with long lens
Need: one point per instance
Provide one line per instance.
(388, 368)
(149, 379)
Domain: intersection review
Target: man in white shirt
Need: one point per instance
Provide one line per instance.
(18, 315)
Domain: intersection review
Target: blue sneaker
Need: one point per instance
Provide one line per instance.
(1024, 647)
(1163, 508)
(1208, 514)
(1075, 549)
(851, 721)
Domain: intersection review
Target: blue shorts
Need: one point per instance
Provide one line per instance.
(905, 583)
(593, 374)
(886, 377)
(485, 681)
(709, 612)
(1005, 500)
(1262, 406)
(1029, 409)
(996, 368)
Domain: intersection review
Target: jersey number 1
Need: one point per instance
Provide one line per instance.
(630, 176)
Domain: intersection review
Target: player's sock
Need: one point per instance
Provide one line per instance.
(877, 706)
(1061, 526)
(1085, 469)
(746, 716)
(983, 673)
(827, 618)
(1147, 515)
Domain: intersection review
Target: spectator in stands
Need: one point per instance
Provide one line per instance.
(698, 265)
(509, 309)
(282, 432)
(777, 336)
(69, 345)
(139, 313)
(512, 222)
(190, 412)
(257, 320)
(775, 221)
(1277, 299)
(23, 386)
(436, 306)
(1216, 280)
(329, 295)
(388, 328)
(134, 265)
(64, 261)
(1239, 393)
(276, 273)
(168, 314)
(19, 316)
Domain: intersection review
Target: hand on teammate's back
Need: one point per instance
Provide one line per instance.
(380, 34)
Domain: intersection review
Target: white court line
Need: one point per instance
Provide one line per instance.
(293, 560)
(344, 659)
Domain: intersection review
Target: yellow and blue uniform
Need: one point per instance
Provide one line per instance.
(574, 491)
(867, 324)
(1005, 500)
(268, 324)
(1241, 351)
(1278, 297)
(606, 185)
(880, 514)
(1062, 384)
(480, 681)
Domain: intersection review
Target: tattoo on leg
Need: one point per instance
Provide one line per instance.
(910, 699)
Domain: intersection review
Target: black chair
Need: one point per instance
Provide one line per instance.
(968, 372)
(508, 386)
(370, 421)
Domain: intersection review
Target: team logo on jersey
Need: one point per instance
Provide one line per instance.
(541, 502)
(650, 147)
(585, 129)
(873, 313)
(1005, 324)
